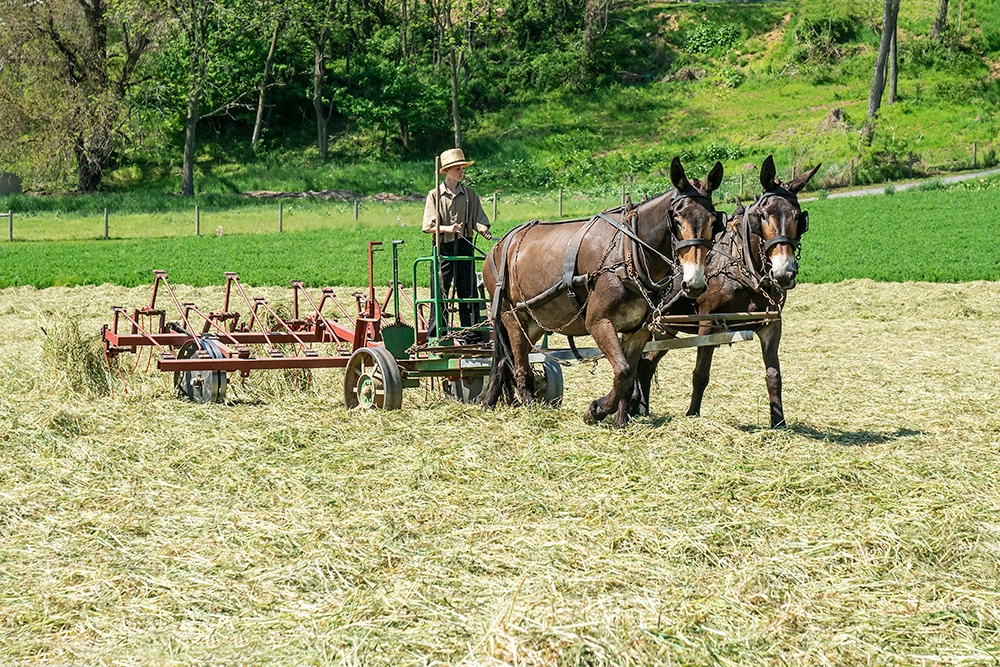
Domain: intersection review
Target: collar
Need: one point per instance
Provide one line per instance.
(460, 190)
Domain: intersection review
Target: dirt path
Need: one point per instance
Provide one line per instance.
(897, 187)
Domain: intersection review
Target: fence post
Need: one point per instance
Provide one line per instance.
(105, 223)
(494, 206)
(741, 185)
(197, 220)
(280, 216)
(911, 164)
(852, 171)
(974, 147)
(560, 202)
(10, 225)
(623, 194)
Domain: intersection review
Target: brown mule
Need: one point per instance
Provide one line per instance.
(753, 266)
(600, 276)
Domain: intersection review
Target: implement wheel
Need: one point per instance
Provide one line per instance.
(372, 380)
(549, 383)
(464, 389)
(201, 386)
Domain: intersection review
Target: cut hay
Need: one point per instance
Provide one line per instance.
(143, 530)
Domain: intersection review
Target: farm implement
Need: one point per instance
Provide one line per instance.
(381, 352)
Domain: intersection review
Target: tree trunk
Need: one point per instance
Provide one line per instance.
(889, 13)
(893, 69)
(190, 127)
(402, 31)
(454, 100)
(263, 85)
(941, 22)
(88, 170)
(322, 138)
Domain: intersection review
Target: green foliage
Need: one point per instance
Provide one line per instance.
(711, 38)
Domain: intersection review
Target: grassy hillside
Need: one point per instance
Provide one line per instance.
(767, 76)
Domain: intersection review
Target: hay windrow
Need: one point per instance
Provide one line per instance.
(282, 529)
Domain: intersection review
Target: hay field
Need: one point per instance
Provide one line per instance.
(282, 530)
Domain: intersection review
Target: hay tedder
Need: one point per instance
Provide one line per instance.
(380, 352)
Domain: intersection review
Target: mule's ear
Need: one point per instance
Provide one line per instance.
(800, 182)
(767, 172)
(678, 177)
(714, 179)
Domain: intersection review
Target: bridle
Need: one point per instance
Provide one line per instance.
(677, 243)
(801, 220)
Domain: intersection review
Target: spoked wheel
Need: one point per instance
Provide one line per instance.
(464, 389)
(201, 386)
(549, 383)
(372, 380)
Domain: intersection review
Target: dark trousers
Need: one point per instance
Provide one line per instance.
(462, 273)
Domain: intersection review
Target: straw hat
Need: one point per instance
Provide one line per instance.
(454, 157)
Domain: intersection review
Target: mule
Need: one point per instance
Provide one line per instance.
(601, 276)
(754, 264)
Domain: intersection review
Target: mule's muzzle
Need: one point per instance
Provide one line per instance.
(785, 279)
(693, 289)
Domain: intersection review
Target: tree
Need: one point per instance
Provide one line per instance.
(941, 22)
(207, 28)
(890, 13)
(893, 69)
(84, 55)
(268, 62)
(318, 21)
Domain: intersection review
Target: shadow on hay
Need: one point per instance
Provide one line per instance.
(859, 438)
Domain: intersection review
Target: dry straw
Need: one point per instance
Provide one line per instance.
(283, 530)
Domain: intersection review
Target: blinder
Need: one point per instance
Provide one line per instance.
(755, 220)
(718, 223)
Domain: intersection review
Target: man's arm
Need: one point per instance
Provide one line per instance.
(478, 217)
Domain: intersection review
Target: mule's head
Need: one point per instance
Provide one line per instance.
(694, 222)
(780, 222)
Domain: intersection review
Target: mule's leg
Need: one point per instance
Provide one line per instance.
(699, 378)
(522, 337)
(622, 365)
(770, 338)
(644, 372)
(632, 350)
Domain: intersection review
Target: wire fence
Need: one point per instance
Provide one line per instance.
(506, 209)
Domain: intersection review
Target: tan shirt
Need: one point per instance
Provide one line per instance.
(462, 206)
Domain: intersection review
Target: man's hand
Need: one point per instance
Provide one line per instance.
(485, 232)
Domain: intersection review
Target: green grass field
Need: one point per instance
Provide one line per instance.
(928, 235)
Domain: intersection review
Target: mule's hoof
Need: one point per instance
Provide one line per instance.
(590, 418)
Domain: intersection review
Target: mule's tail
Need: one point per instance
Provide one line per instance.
(500, 382)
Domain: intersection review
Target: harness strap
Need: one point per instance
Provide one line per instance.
(569, 261)
(500, 274)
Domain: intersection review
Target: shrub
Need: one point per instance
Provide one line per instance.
(709, 37)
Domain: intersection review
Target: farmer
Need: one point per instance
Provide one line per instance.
(456, 213)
